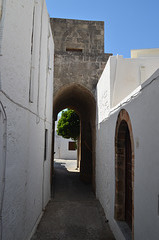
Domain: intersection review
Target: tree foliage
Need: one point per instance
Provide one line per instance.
(69, 124)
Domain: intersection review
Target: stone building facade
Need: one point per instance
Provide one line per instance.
(79, 62)
(79, 52)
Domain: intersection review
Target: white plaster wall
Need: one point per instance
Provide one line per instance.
(104, 90)
(103, 94)
(144, 114)
(61, 147)
(128, 74)
(27, 175)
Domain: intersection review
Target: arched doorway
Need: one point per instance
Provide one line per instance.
(80, 99)
(124, 170)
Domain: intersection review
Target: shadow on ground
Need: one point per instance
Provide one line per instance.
(73, 213)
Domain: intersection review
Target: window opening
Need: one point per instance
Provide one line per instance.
(32, 36)
(74, 50)
(72, 146)
(31, 84)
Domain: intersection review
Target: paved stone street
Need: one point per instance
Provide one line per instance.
(73, 213)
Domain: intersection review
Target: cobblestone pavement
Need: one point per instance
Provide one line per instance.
(73, 213)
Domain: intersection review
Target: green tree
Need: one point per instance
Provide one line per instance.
(69, 125)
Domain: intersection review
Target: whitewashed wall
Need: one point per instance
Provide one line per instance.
(144, 115)
(27, 175)
(61, 147)
(121, 77)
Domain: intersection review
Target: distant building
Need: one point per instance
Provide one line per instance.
(64, 148)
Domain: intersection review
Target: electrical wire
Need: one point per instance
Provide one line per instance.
(23, 107)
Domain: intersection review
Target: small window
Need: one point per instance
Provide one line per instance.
(74, 50)
(46, 144)
(72, 146)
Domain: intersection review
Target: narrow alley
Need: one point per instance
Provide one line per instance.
(73, 212)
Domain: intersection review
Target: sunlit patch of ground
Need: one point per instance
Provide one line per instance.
(70, 165)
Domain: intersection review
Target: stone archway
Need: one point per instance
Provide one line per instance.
(124, 170)
(80, 99)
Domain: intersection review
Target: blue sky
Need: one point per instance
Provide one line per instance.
(128, 24)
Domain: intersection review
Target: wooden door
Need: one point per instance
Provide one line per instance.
(128, 180)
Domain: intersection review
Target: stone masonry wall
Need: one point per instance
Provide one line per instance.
(79, 52)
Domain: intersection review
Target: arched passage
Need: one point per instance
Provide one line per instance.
(124, 170)
(80, 99)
